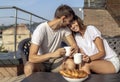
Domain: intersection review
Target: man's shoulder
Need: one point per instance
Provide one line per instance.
(42, 24)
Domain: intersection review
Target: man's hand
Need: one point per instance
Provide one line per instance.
(74, 49)
(58, 53)
(72, 43)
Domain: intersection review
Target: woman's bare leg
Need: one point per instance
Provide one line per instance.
(102, 67)
(99, 66)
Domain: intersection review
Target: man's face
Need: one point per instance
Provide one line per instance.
(67, 21)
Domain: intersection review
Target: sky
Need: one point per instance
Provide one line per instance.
(43, 8)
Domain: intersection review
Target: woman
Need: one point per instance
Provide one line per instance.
(97, 55)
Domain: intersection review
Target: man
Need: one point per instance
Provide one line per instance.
(46, 41)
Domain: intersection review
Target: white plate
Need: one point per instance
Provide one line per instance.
(74, 80)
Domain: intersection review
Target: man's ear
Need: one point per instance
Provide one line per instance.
(63, 17)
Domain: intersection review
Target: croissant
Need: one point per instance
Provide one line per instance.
(73, 73)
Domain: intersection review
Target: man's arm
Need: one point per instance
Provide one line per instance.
(71, 41)
(35, 58)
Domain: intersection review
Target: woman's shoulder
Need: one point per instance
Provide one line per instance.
(93, 31)
(91, 27)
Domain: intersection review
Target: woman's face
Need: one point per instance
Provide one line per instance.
(74, 26)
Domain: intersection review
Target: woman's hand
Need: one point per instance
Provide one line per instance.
(86, 58)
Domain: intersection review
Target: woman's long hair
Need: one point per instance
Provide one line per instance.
(79, 21)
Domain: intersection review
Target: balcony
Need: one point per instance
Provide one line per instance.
(16, 24)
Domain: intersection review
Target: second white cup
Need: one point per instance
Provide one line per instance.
(78, 58)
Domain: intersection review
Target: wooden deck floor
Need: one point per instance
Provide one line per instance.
(13, 79)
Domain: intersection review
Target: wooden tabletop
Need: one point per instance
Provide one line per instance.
(56, 77)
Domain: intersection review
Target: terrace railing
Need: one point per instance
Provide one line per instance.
(12, 17)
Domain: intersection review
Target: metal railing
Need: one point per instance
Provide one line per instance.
(15, 17)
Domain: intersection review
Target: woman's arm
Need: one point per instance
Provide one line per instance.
(101, 50)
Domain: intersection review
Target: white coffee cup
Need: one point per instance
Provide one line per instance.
(68, 50)
(77, 58)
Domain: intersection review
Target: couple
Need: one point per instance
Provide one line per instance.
(46, 53)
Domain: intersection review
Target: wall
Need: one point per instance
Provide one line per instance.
(104, 14)
(8, 36)
(103, 20)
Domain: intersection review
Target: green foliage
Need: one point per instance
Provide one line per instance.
(2, 49)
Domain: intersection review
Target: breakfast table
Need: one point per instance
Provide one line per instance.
(56, 77)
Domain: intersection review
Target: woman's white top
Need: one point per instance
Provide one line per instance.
(87, 42)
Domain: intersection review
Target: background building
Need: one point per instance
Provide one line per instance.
(8, 36)
(104, 14)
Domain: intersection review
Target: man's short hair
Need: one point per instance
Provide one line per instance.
(64, 10)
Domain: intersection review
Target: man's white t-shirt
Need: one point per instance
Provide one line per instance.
(87, 42)
(48, 39)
